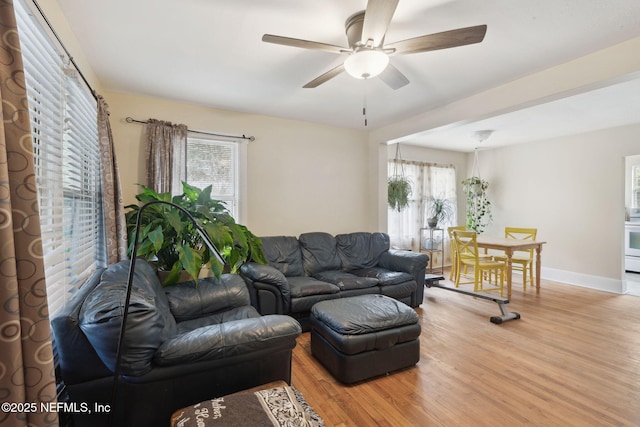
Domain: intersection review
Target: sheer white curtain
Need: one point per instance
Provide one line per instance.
(427, 180)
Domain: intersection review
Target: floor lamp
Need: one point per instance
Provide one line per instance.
(132, 266)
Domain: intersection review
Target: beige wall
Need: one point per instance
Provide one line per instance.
(301, 176)
(572, 190)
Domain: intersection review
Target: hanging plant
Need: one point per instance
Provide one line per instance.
(478, 205)
(398, 192)
(398, 186)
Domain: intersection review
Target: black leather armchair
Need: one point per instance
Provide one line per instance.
(183, 344)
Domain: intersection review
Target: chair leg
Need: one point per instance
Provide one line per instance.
(477, 279)
(452, 273)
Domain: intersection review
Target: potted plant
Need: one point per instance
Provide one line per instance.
(168, 238)
(398, 192)
(440, 210)
(398, 186)
(478, 205)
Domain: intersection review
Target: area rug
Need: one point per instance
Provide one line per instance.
(279, 406)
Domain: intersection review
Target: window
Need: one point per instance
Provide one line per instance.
(67, 160)
(427, 180)
(215, 163)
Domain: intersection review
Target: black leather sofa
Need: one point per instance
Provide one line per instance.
(183, 344)
(318, 266)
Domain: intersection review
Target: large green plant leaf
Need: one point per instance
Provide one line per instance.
(156, 237)
(191, 260)
(168, 237)
(176, 220)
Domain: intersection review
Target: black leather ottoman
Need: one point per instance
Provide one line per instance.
(364, 336)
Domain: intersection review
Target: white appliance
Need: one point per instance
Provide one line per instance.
(632, 241)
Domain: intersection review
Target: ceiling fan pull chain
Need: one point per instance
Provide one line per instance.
(364, 102)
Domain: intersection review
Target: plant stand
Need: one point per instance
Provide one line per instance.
(431, 243)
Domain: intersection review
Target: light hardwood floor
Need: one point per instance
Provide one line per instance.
(573, 359)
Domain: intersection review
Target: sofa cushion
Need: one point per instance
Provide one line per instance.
(319, 252)
(346, 281)
(228, 339)
(384, 276)
(361, 250)
(283, 253)
(149, 322)
(305, 286)
(238, 313)
(189, 300)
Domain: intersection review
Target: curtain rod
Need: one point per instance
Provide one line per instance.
(66, 51)
(248, 138)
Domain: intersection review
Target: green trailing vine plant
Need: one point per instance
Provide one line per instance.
(478, 205)
(398, 186)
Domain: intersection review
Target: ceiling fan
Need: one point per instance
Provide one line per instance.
(368, 55)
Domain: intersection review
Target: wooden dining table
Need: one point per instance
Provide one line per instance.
(509, 246)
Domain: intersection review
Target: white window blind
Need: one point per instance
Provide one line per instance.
(214, 163)
(67, 160)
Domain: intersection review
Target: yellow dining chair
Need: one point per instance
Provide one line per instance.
(521, 260)
(454, 261)
(468, 256)
(454, 255)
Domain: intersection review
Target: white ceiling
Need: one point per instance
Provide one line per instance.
(209, 52)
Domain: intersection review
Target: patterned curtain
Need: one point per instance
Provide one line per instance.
(166, 147)
(26, 359)
(113, 206)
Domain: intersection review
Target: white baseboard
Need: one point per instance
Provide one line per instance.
(583, 280)
(586, 281)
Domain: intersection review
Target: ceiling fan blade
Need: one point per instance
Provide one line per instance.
(376, 20)
(393, 77)
(304, 44)
(324, 77)
(443, 40)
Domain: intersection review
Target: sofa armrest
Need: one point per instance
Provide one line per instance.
(265, 278)
(264, 273)
(229, 339)
(414, 263)
(402, 260)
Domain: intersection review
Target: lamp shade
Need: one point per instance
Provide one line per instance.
(365, 64)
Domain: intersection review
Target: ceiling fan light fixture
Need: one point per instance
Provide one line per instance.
(483, 135)
(366, 63)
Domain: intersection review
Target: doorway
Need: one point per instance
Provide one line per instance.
(630, 274)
